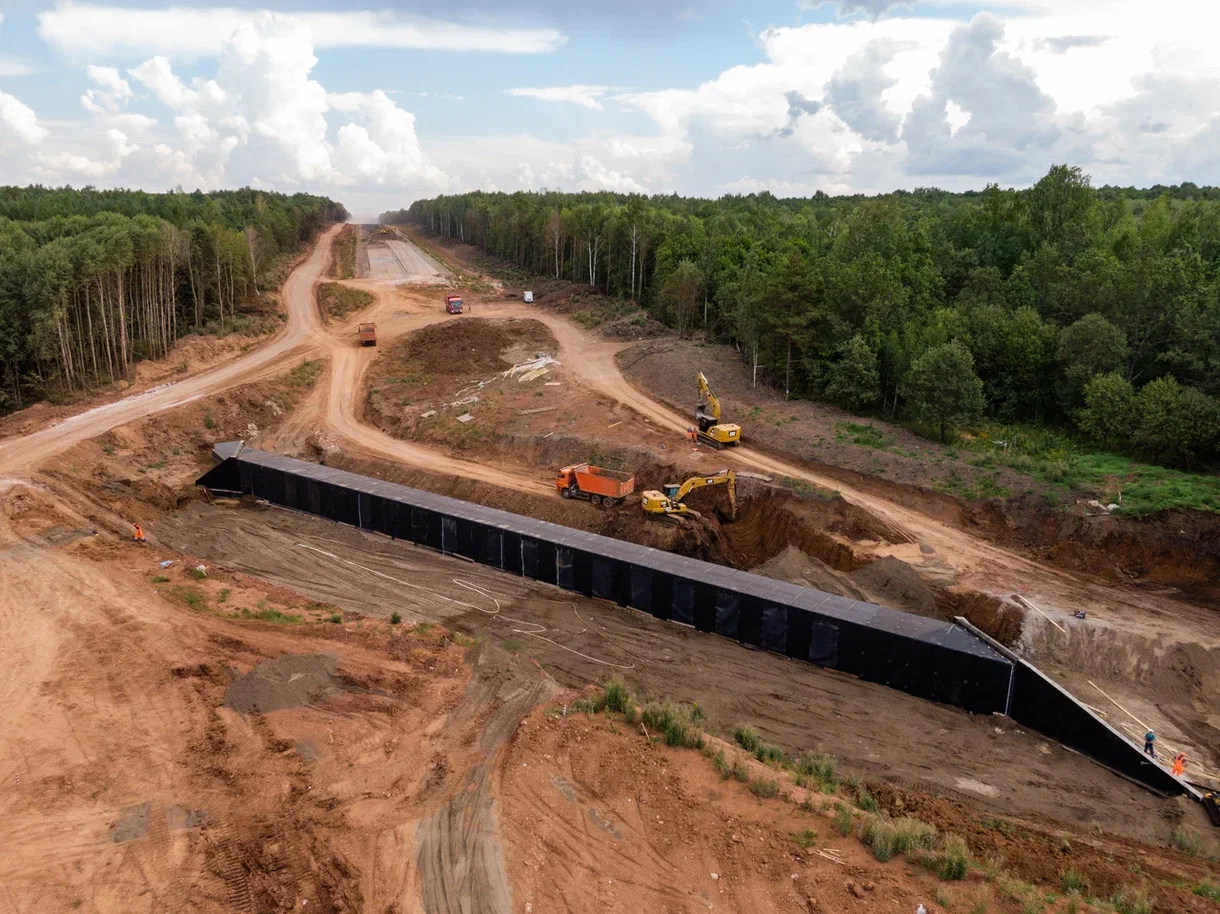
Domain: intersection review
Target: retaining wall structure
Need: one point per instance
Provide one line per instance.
(940, 661)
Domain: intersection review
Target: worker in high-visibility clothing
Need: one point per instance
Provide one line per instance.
(139, 535)
(1179, 764)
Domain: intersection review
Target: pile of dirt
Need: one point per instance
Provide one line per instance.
(469, 346)
(292, 681)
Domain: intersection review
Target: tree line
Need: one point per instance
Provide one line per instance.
(92, 281)
(1063, 303)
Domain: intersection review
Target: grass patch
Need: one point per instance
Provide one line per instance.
(395, 617)
(866, 800)
(674, 723)
(1004, 828)
(306, 373)
(819, 769)
(748, 739)
(336, 301)
(335, 618)
(270, 615)
(843, 820)
(208, 422)
(616, 695)
(804, 839)
(159, 579)
(1127, 901)
(887, 837)
(343, 255)
(1071, 881)
(1064, 463)
(1206, 890)
(223, 596)
(764, 787)
(863, 435)
(193, 596)
(512, 645)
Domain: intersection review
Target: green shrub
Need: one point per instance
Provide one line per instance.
(395, 617)
(617, 698)
(843, 820)
(746, 737)
(673, 723)
(1126, 901)
(764, 787)
(912, 834)
(878, 834)
(817, 765)
(1206, 890)
(740, 771)
(866, 801)
(335, 618)
(805, 838)
(159, 579)
(1071, 881)
(955, 859)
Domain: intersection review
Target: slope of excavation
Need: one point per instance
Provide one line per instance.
(878, 731)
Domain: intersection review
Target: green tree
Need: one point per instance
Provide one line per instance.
(1108, 414)
(1175, 423)
(681, 292)
(942, 388)
(855, 381)
(1089, 347)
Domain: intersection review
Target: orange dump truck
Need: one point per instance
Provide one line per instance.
(599, 485)
(368, 334)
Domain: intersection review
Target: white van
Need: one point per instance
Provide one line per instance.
(529, 298)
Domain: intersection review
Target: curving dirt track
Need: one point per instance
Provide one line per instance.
(18, 455)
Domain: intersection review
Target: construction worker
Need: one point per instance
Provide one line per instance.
(1179, 764)
(1149, 739)
(139, 536)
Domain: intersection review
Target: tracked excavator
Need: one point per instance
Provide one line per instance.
(710, 430)
(670, 504)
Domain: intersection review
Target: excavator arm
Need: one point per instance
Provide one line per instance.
(723, 478)
(709, 403)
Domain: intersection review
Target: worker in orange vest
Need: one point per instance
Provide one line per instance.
(139, 537)
(1179, 764)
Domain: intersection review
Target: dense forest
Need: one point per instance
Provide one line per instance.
(92, 281)
(1066, 304)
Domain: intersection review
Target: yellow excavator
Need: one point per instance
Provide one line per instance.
(669, 503)
(711, 430)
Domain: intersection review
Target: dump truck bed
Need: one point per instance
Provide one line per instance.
(600, 481)
(368, 334)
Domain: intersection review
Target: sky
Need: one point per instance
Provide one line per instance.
(378, 103)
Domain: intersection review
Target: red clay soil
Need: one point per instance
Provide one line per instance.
(596, 817)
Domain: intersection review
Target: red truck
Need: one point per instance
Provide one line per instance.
(453, 304)
(598, 485)
(368, 334)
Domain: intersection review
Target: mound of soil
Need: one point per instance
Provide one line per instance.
(473, 346)
(291, 681)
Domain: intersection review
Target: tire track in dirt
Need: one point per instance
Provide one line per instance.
(460, 859)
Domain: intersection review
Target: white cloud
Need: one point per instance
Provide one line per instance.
(112, 93)
(585, 96)
(19, 123)
(91, 29)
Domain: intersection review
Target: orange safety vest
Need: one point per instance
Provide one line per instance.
(1179, 764)
(139, 533)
